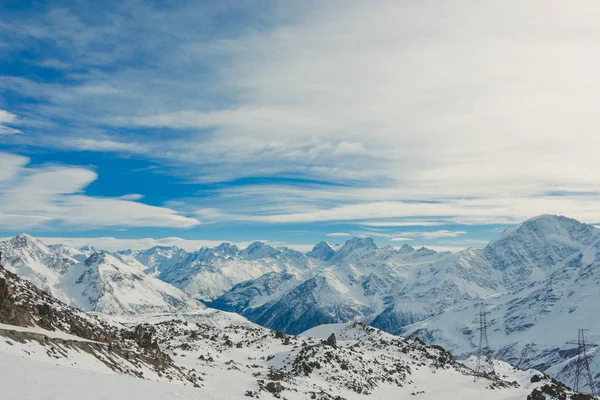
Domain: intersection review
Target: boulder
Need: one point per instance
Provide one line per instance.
(274, 387)
(331, 340)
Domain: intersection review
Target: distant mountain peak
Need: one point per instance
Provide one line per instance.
(228, 249)
(356, 245)
(365, 243)
(406, 248)
(87, 247)
(23, 239)
(321, 251)
(256, 250)
(547, 224)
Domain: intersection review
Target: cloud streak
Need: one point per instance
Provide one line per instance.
(6, 119)
(53, 195)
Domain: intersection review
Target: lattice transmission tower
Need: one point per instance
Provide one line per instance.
(484, 365)
(582, 368)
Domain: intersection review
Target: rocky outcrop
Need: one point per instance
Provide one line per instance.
(126, 350)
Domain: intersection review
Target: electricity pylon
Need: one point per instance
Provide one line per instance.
(582, 368)
(484, 365)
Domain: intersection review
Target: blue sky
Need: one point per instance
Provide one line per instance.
(293, 122)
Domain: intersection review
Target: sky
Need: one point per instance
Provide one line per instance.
(128, 123)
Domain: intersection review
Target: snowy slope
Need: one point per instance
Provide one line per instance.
(105, 284)
(34, 261)
(38, 326)
(230, 374)
(364, 361)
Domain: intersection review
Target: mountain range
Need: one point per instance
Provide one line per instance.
(539, 280)
(51, 350)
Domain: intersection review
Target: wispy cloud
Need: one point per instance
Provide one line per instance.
(41, 196)
(400, 107)
(7, 118)
(437, 234)
(338, 234)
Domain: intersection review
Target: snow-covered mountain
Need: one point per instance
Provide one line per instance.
(91, 281)
(384, 286)
(530, 326)
(392, 288)
(220, 355)
(209, 272)
(540, 276)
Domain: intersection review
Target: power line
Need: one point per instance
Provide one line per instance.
(582, 367)
(484, 365)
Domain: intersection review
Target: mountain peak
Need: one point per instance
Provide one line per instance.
(360, 243)
(406, 248)
(23, 239)
(321, 251)
(256, 250)
(547, 224)
(356, 244)
(227, 249)
(537, 244)
(87, 247)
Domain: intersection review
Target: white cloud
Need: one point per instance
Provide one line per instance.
(7, 118)
(338, 234)
(33, 196)
(468, 104)
(462, 211)
(439, 234)
(391, 224)
(400, 239)
(133, 197)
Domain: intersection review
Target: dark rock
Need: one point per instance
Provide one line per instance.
(274, 387)
(144, 337)
(43, 309)
(536, 378)
(332, 341)
(280, 335)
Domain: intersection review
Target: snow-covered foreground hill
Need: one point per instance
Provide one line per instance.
(359, 366)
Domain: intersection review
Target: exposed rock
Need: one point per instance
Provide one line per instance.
(331, 340)
(280, 335)
(274, 387)
(536, 378)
